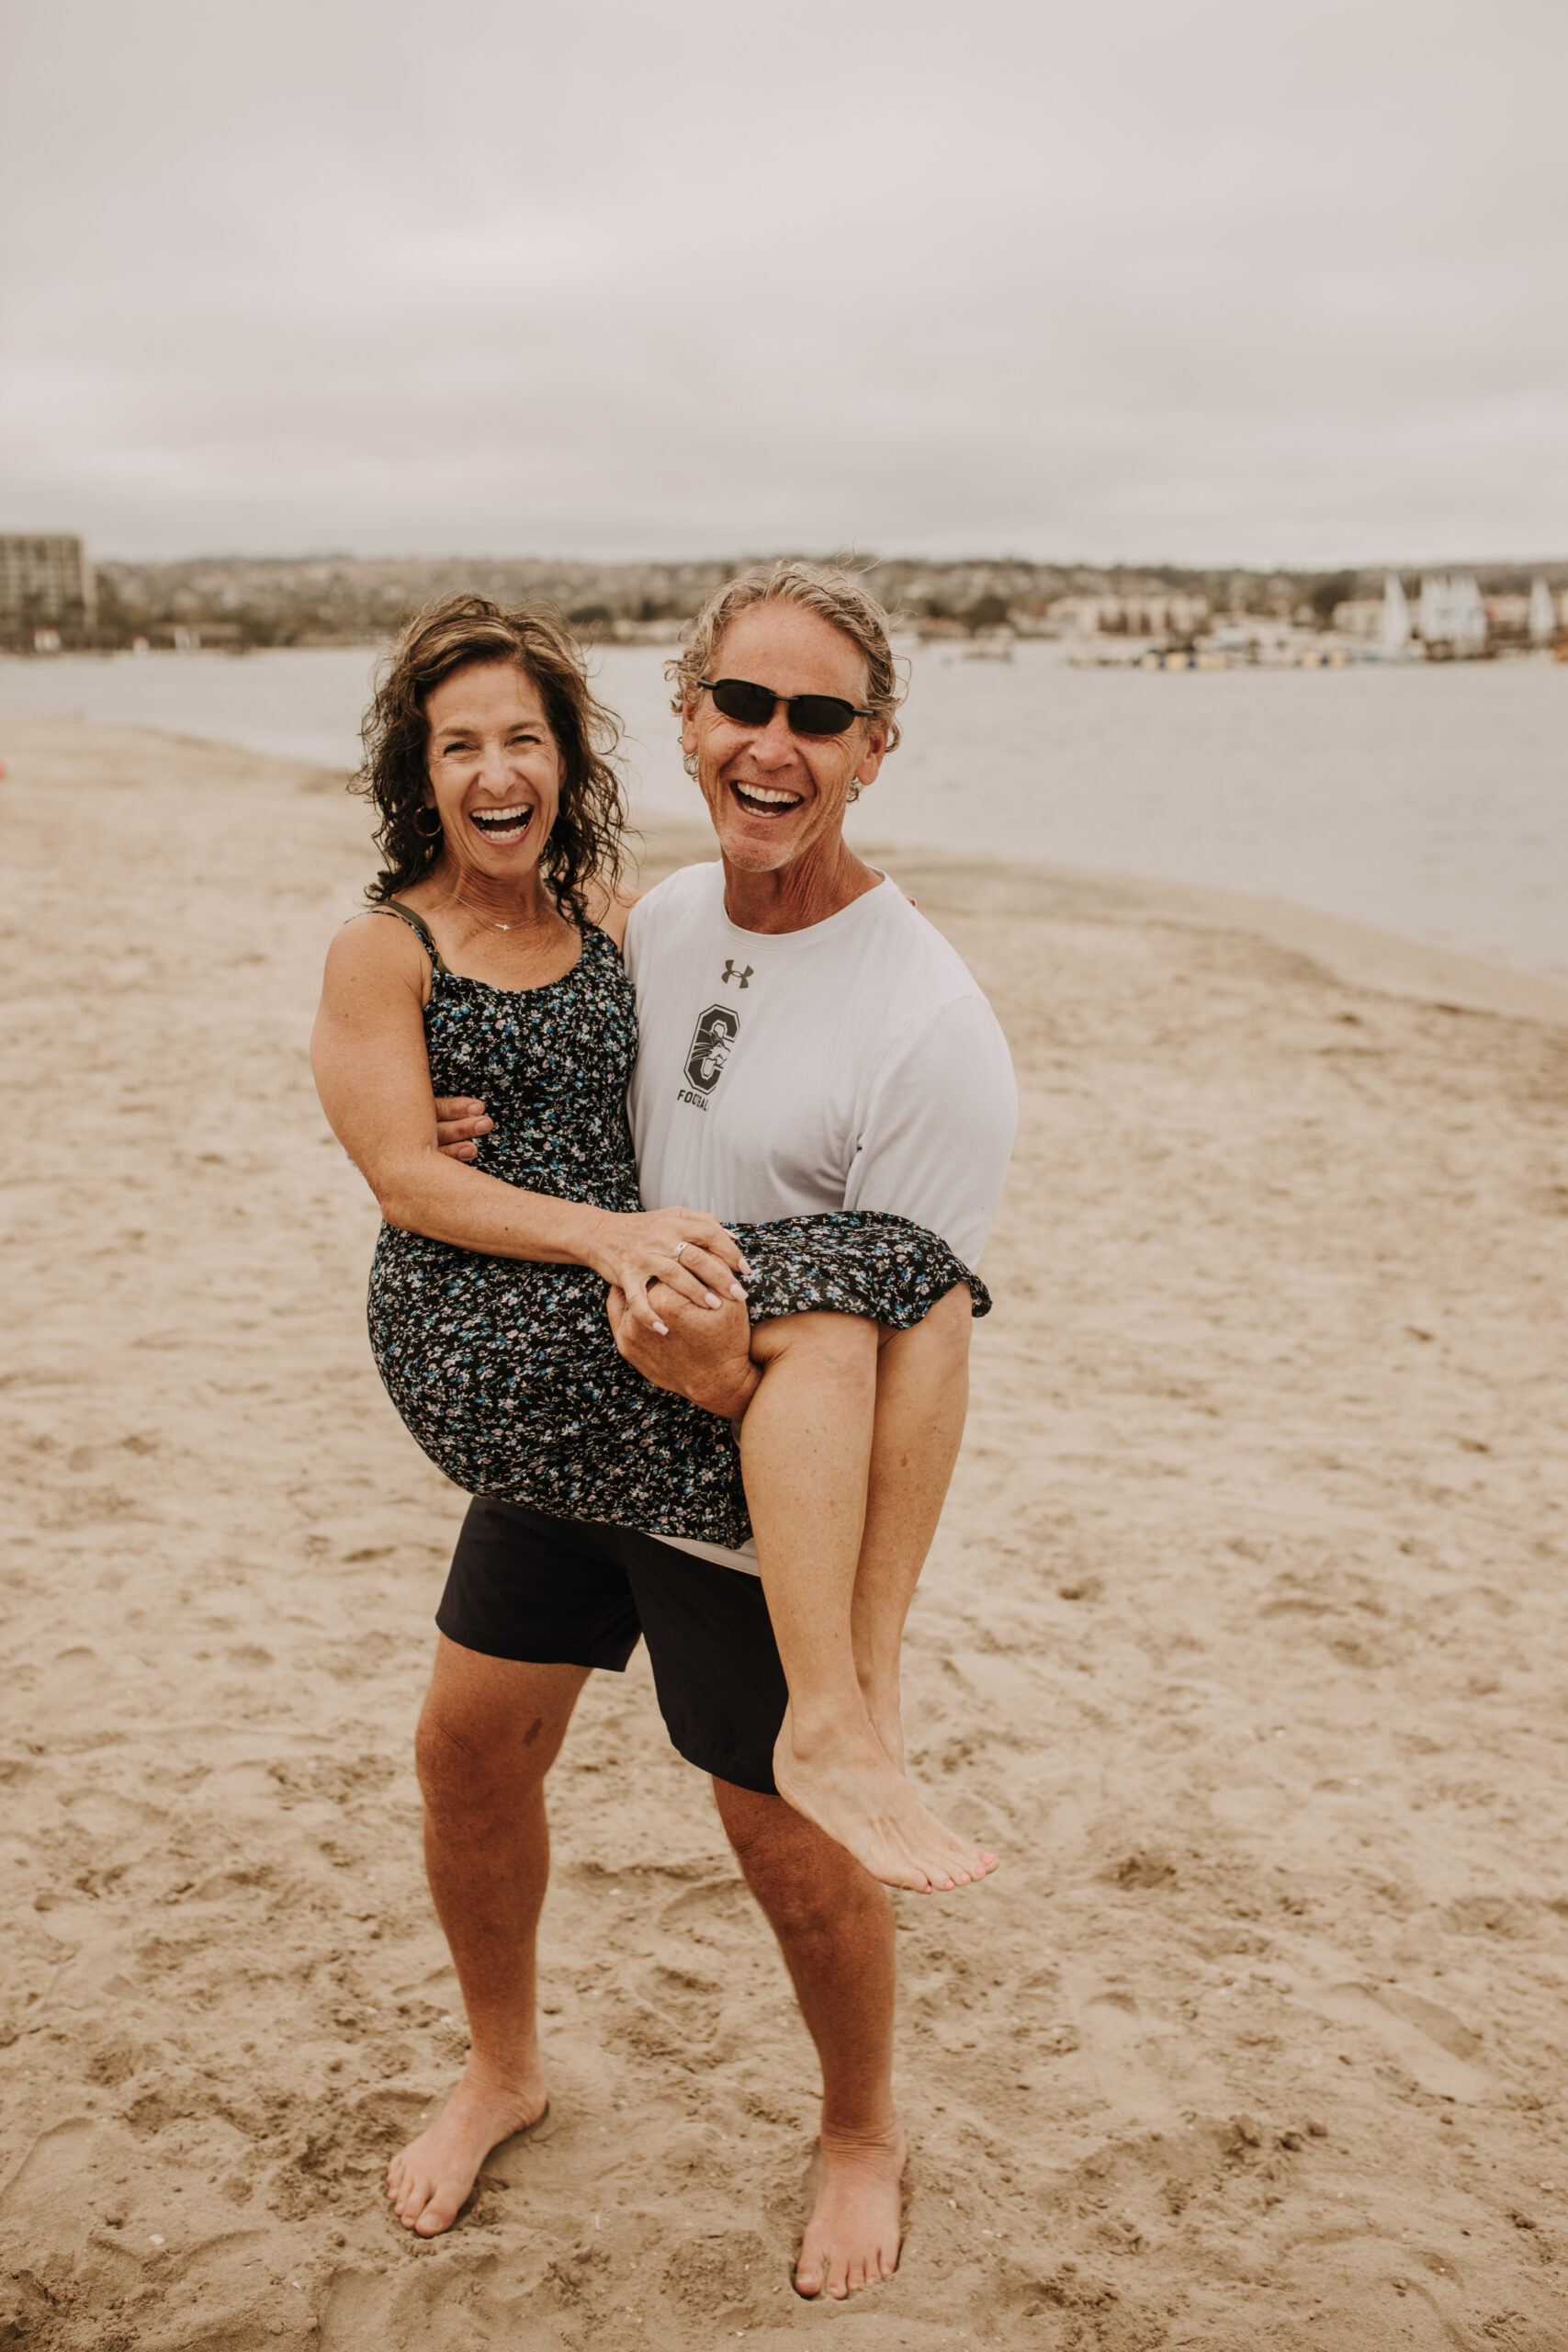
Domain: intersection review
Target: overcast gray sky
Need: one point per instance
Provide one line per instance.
(1212, 281)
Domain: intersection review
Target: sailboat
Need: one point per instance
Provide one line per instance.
(1394, 635)
(1452, 620)
(1543, 614)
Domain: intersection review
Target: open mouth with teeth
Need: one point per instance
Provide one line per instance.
(765, 800)
(501, 824)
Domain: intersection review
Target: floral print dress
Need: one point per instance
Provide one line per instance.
(504, 1370)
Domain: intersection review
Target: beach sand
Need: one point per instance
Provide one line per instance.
(1243, 1640)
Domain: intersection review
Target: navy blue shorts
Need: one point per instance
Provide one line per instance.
(569, 1592)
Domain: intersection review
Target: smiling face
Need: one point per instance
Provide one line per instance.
(775, 796)
(494, 771)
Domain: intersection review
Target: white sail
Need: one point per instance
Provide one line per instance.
(1395, 615)
(1433, 621)
(1543, 614)
(1470, 615)
(1452, 615)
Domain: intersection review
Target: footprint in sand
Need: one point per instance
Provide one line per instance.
(106, 1813)
(1125, 2059)
(430, 2304)
(47, 2186)
(1349, 2270)
(1435, 2048)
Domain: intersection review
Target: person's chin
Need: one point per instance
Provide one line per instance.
(760, 844)
(752, 853)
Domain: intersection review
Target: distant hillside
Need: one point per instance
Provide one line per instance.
(342, 599)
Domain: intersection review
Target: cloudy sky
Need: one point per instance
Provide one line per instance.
(1214, 281)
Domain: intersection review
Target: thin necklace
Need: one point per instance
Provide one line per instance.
(490, 921)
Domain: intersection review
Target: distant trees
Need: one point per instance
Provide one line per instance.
(340, 600)
(1329, 589)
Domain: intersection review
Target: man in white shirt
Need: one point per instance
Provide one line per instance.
(809, 1044)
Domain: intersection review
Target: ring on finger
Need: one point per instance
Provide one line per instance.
(675, 1254)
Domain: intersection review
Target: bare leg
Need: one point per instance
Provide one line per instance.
(807, 1447)
(922, 1396)
(488, 1734)
(835, 1930)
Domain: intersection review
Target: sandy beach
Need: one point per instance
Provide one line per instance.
(1243, 1642)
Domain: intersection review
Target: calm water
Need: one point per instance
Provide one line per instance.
(1430, 803)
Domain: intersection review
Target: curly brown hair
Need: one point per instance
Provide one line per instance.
(586, 841)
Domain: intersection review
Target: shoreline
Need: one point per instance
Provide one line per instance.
(1363, 954)
(1481, 922)
(1387, 962)
(1384, 963)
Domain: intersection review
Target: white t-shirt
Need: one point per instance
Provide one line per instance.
(853, 1065)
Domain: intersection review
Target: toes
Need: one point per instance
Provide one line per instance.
(419, 2198)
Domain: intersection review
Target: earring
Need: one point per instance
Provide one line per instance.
(425, 833)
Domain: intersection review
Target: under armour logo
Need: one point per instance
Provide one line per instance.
(731, 974)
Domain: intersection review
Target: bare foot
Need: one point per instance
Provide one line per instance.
(852, 2237)
(851, 1791)
(428, 2181)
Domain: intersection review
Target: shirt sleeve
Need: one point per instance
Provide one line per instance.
(941, 1119)
(631, 946)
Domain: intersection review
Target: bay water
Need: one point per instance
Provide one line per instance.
(1431, 802)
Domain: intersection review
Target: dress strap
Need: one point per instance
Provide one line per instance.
(414, 922)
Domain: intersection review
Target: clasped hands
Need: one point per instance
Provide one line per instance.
(676, 1306)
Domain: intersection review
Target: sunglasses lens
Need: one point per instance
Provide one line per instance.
(752, 706)
(748, 706)
(820, 715)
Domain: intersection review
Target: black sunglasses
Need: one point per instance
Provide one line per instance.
(752, 706)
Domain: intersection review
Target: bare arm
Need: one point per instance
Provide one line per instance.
(368, 1053)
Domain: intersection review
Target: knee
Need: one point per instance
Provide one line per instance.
(797, 1907)
(464, 1763)
(798, 1915)
(947, 1329)
(811, 1890)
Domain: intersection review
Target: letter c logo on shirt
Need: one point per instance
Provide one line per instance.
(712, 1041)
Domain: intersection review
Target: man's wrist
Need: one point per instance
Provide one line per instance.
(728, 1396)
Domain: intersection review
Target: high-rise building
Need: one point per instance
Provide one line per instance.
(45, 577)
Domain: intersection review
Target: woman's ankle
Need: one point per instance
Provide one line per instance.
(844, 1733)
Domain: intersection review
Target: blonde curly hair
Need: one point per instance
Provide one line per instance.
(836, 597)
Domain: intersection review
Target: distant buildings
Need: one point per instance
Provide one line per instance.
(1151, 613)
(46, 582)
(51, 600)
